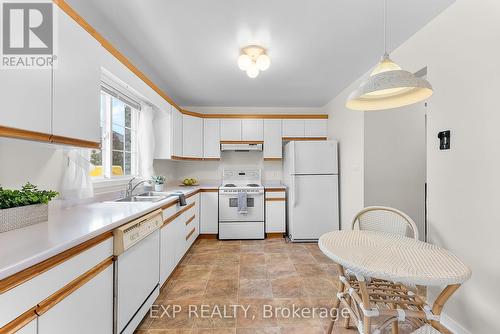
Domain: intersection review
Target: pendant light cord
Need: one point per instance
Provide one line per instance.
(385, 27)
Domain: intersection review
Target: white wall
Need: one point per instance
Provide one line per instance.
(462, 54)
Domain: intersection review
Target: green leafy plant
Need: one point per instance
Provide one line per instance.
(27, 195)
(158, 179)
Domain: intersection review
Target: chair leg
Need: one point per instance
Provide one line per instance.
(345, 322)
(336, 304)
(395, 327)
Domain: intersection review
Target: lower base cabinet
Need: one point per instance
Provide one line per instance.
(209, 213)
(275, 212)
(167, 251)
(89, 309)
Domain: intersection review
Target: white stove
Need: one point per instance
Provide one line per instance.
(241, 205)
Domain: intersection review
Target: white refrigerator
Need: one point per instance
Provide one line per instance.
(311, 174)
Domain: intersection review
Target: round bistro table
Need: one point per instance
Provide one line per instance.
(383, 265)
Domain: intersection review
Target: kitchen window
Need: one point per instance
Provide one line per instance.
(119, 118)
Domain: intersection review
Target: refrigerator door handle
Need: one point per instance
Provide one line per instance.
(294, 186)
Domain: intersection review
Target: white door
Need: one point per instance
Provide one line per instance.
(77, 82)
(87, 310)
(209, 213)
(293, 128)
(167, 251)
(192, 136)
(230, 129)
(316, 128)
(273, 143)
(252, 129)
(211, 138)
(314, 157)
(313, 206)
(176, 132)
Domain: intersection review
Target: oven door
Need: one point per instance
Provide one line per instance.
(228, 207)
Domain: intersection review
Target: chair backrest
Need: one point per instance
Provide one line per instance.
(385, 219)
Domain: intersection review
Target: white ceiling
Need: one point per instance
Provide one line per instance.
(317, 47)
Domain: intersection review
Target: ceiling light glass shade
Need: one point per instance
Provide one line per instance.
(244, 62)
(252, 71)
(389, 87)
(263, 62)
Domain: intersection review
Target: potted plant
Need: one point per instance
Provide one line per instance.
(158, 181)
(24, 207)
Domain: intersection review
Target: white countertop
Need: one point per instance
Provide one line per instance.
(71, 226)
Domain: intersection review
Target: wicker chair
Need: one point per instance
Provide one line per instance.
(385, 219)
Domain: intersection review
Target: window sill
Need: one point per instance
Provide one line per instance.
(102, 185)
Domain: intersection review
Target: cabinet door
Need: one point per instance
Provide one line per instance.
(293, 128)
(176, 132)
(211, 138)
(316, 127)
(77, 82)
(275, 216)
(162, 133)
(167, 252)
(209, 213)
(230, 129)
(272, 138)
(26, 97)
(89, 309)
(192, 136)
(252, 129)
(180, 238)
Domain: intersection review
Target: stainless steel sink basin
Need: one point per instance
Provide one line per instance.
(150, 196)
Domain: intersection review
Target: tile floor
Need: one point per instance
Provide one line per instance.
(258, 275)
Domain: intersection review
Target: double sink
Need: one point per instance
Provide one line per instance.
(149, 196)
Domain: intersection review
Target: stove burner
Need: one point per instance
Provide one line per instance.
(252, 185)
(230, 185)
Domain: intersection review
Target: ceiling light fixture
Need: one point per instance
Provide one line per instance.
(388, 86)
(253, 59)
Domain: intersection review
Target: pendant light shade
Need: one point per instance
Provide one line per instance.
(389, 87)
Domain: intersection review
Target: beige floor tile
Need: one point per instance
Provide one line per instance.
(216, 313)
(248, 259)
(187, 289)
(302, 330)
(255, 288)
(263, 330)
(214, 331)
(190, 272)
(227, 271)
(309, 269)
(282, 270)
(289, 287)
(319, 287)
(225, 288)
(202, 259)
(255, 316)
(227, 258)
(302, 258)
(277, 258)
(295, 312)
(253, 271)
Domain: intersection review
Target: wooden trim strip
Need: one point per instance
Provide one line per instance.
(207, 236)
(190, 220)
(176, 157)
(209, 190)
(74, 142)
(274, 235)
(190, 233)
(257, 116)
(177, 214)
(71, 287)
(303, 138)
(25, 275)
(281, 199)
(273, 159)
(23, 134)
(19, 322)
(242, 142)
(193, 193)
(211, 159)
(276, 190)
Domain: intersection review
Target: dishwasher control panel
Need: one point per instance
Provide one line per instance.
(131, 233)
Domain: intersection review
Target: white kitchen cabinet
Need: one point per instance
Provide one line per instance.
(211, 138)
(275, 212)
(252, 129)
(192, 136)
(29, 328)
(176, 131)
(26, 99)
(273, 143)
(316, 128)
(167, 251)
(89, 309)
(293, 128)
(77, 82)
(162, 132)
(209, 213)
(180, 241)
(230, 129)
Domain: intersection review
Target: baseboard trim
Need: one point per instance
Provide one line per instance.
(207, 236)
(452, 325)
(275, 235)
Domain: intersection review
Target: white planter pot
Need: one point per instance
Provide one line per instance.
(158, 187)
(22, 216)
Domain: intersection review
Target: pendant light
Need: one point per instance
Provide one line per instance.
(388, 86)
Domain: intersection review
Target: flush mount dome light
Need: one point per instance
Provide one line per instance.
(253, 59)
(388, 86)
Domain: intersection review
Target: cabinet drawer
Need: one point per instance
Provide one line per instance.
(21, 298)
(275, 194)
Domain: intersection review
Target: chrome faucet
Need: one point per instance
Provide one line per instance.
(130, 189)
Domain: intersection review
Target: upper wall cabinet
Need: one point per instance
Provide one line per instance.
(316, 127)
(230, 129)
(252, 129)
(272, 139)
(211, 138)
(77, 77)
(192, 136)
(176, 132)
(293, 128)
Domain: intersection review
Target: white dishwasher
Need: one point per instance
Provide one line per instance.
(136, 270)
